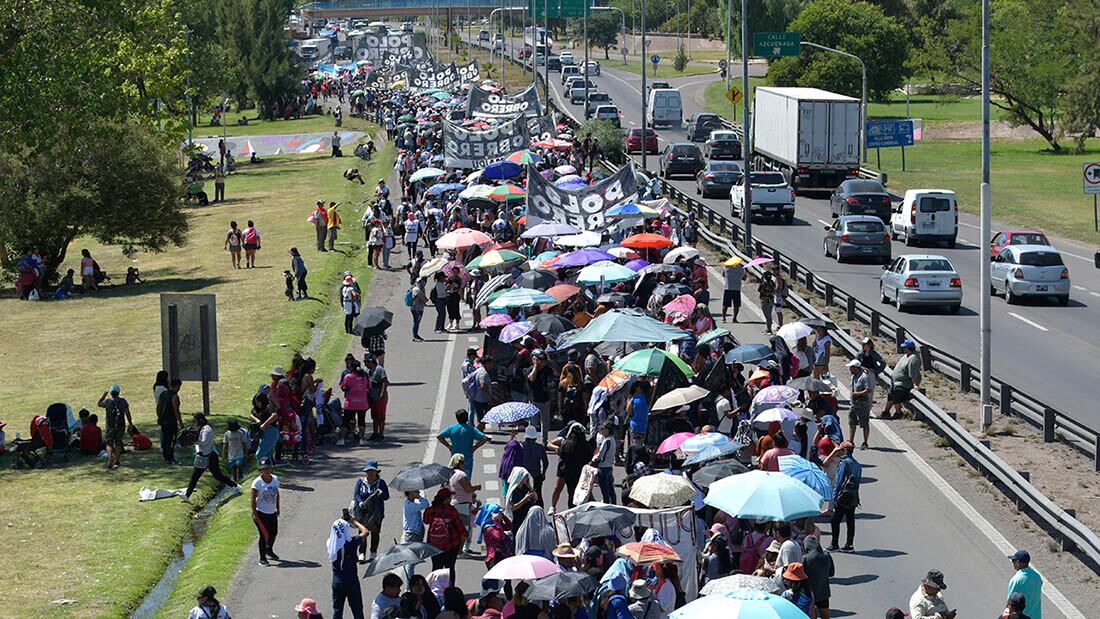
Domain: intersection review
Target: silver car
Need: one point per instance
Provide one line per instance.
(857, 236)
(921, 279)
(1030, 270)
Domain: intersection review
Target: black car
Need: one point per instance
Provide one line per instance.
(681, 158)
(859, 196)
(595, 100)
(717, 179)
(553, 63)
(723, 144)
(701, 124)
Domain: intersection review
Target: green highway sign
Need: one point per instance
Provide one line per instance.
(774, 44)
(557, 8)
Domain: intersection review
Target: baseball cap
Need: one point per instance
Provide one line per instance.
(908, 343)
(934, 578)
(896, 613)
(866, 340)
(1020, 555)
(854, 363)
(115, 389)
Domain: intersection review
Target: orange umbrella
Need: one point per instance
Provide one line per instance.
(758, 374)
(561, 292)
(615, 380)
(647, 240)
(648, 553)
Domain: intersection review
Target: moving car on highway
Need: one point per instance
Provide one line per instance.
(926, 216)
(566, 58)
(553, 63)
(576, 92)
(717, 179)
(861, 196)
(681, 158)
(1030, 270)
(921, 279)
(592, 68)
(1015, 237)
(568, 71)
(722, 144)
(595, 100)
(857, 236)
(772, 196)
(634, 141)
(701, 125)
(665, 107)
(610, 113)
(658, 84)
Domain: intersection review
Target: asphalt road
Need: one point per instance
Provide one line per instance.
(1031, 341)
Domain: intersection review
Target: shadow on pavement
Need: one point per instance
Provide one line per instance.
(854, 580)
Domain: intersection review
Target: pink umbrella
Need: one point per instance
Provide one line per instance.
(683, 304)
(462, 238)
(497, 320)
(758, 260)
(522, 567)
(673, 442)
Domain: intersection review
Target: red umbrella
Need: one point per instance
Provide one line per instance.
(646, 240)
(648, 553)
(561, 292)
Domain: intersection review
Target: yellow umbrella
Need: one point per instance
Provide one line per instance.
(733, 262)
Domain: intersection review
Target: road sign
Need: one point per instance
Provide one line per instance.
(734, 95)
(564, 8)
(1091, 173)
(655, 59)
(889, 133)
(722, 64)
(773, 44)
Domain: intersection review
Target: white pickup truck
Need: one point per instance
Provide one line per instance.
(772, 196)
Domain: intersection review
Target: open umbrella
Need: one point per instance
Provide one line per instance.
(650, 362)
(496, 320)
(739, 582)
(462, 238)
(662, 490)
(712, 453)
(524, 157)
(522, 567)
(631, 210)
(758, 261)
(700, 442)
(616, 380)
(520, 297)
(637, 264)
(550, 229)
(561, 292)
(424, 173)
(400, 555)
(774, 394)
(587, 238)
(507, 192)
(514, 331)
(510, 412)
(500, 170)
(618, 299)
(606, 272)
(537, 279)
(714, 334)
(683, 305)
(439, 188)
(672, 443)
(718, 470)
(600, 519)
(627, 325)
(421, 476)
(749, 353)
(680, 397)
(739, 605)
(623, 252)
(496, 283)
(680, 253)
(808, 473)
(580, 258)
(764, 495)
(648, 553)
(560, 586)
(571, 183)
(794, 330)
(495, 258)
(475, 191)
(809, 383)
(777, 414)
(372, 321)
(551, 324)
(646, 240)
(666, 290)
(818, 322)
(565, 169)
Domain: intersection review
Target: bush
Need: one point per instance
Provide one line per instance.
(681, 60)
(610, 137)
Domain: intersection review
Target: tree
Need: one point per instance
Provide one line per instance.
(1082, 99)
(604, 28)
(118, 183)
(680, 61)
(858, 28)
(764, 16)
(610, 138)
(253, 31)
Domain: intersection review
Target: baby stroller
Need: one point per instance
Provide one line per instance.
(59, 414)
(33, 452)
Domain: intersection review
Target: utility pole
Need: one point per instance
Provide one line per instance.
(585, 71)
(729, 45)
(746, 133)
(546, 53)
(986, 224)
(645, 131)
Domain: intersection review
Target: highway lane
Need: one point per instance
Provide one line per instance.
(1031, 341)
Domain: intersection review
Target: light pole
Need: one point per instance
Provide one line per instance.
(644, 122)
(746, 134)
(585, 71)
(546, 52)
(985, 228)
(729, 43)
(863, 97)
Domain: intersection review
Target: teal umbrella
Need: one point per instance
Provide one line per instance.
(713, 334)
(424, 173)
(763, 495)
(521, 297)
(606, 272)
(650, 362)
(627, 325)
(441, 96)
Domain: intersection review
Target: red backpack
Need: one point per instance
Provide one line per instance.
(752, 551)
(439, 533)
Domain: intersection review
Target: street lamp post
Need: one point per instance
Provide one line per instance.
(746, 133)
(985, 228)
(729, 41)
(863, 97)
(585, 71)
(645, 124)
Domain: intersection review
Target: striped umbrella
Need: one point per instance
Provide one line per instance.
(495, 258)
(524, 157)
(520, 297)
(808, 473)
(507, 192)
(463, 238)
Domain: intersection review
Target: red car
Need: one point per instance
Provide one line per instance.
(634, 141)
(1015, 237)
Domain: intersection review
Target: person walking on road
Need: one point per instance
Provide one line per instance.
(904, 378)
(604, 461)
(1015, 607)
(823, 351)
(265, 509)
(463, 438)
(927, 601)
(444, 530)
(870, 359)
(208, 606)
(356, 388)
(379, 396)
(782, 290)
(465, 496)
(1026, 582)
(342, 545)
(849, 474)
(368, 501)
(412, 523)
(862, 389)
(416, 300)
(819, 569)
(766, 291)
(734, 275)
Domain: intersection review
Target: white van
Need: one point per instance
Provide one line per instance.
(665, 107)
(314, 49)
(926, 216)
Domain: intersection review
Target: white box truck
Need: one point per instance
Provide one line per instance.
(810, 135)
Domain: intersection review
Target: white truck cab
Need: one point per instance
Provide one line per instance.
(926, 216)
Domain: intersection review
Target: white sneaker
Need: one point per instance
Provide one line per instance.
(339, 442)
(363, 441)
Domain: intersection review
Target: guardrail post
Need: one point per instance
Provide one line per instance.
(926, 357)
(985, 443)
(899, 336)
(1005, 396)
(876, 322)
(810, 282)
(1066, 543)
(964, 377)
(1096, 450)
(1019, 501)
(1050, 424)
(828, 294)
(851, 308)
(759, 247)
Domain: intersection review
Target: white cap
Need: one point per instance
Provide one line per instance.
(854, 363)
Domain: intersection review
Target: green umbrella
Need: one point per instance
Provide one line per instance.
(628, 325)
(358, 93)
(649, 361)
(713, 334)
(441, 96)
(406, 119)
(495, 258)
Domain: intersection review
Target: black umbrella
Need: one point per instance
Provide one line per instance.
(373, 321)
(401, 555)
(674, 290)
(808, 383)
(621, 299)
(718, 470)
(536, 280)
(560, 586)
(602, 520)
(421, 476)
(551, 324)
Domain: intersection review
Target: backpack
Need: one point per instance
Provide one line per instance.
(409, 297)
(750, 555)
(469, 385)
(439, 533)
(848, 496)
(250, 236)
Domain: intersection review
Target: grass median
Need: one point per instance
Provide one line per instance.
(77, 531)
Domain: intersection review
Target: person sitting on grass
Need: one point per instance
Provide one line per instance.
(139, 440)
(91, 437)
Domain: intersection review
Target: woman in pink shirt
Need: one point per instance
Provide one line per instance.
(87, 271)
(356, 388)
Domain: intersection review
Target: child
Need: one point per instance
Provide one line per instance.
(235, 445)
(91, 436)
(133, 276)
(290, 431)
(289, 292)
(140, 442)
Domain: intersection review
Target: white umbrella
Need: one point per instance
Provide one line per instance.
(587, 238)
(424, 173)
(680, 397)
(792, 331)
(663, 490)
(623, 252)
(680, 253)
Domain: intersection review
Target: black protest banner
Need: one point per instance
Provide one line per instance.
(584, 207)
(391, 49)
(476, 149)
(469, 74)
(483, 104)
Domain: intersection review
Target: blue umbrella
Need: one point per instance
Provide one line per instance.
(749, 353)
(627, 325)
(501, 170)
(764, 495)
(712, 452)
(439, 188)
(743, 604)
(514, 331)
(570, 184)
(582, 257)
(699, 442)
(510, 412)
(520, 297)
(606, 272)
(808, 473)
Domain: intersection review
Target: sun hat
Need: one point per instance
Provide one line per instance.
(794, 571)
(531, 433)
(307, 605)
(278, 371)
(371, 465)
(774, 546)
(934, 578)
(639, 590)
(565, 551)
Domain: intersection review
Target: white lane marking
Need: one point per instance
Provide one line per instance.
(1095, 294)
(488, 468)
(991, 533)
(822, 221)
(491, 484)
(489, 452)
(471, 338)
(1028, 321)
(1081, 288)
(440, 401)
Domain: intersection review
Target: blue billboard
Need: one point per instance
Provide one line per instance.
(889, 133)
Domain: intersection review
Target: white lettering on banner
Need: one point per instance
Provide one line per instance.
(470, 149)
(583, 208)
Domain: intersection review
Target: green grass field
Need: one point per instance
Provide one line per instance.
(77, 531)
(664, 68)
(255, 126)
